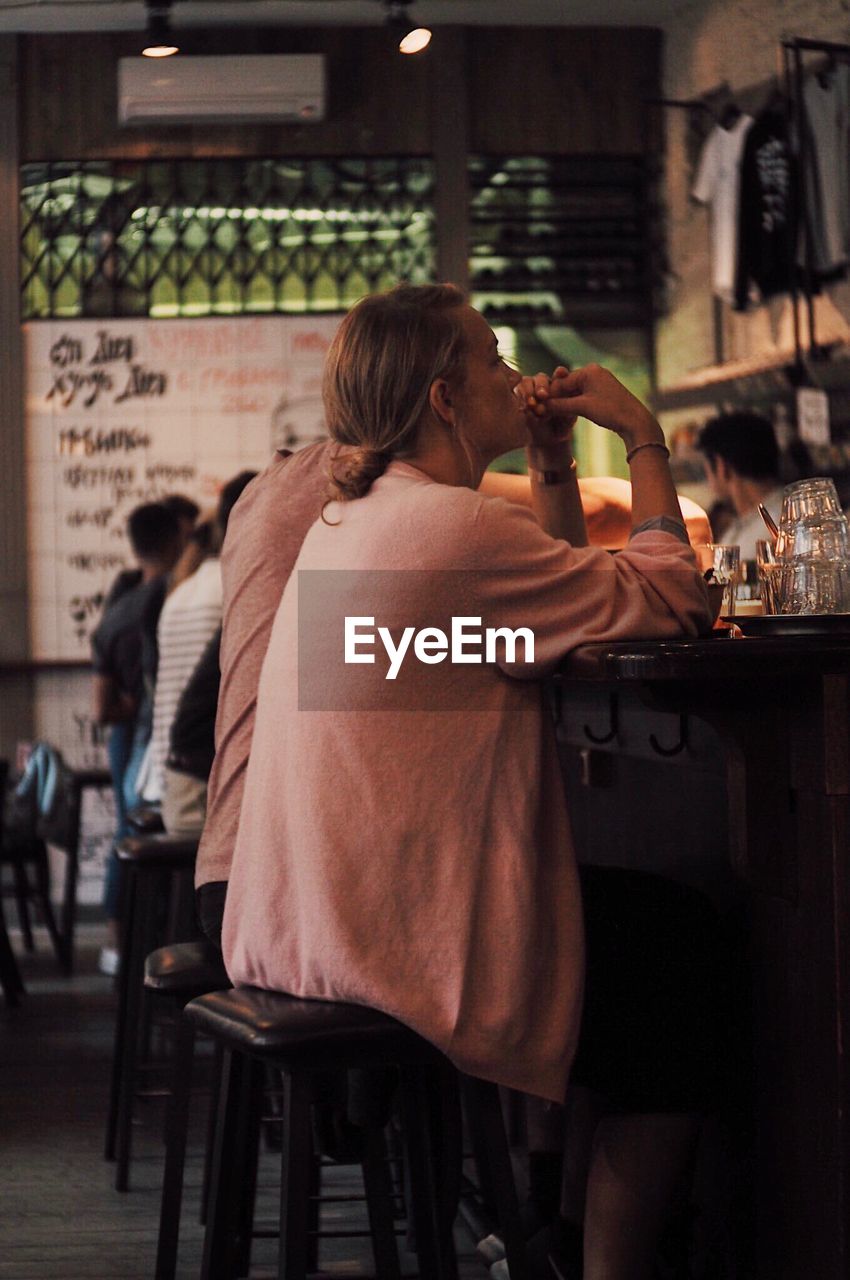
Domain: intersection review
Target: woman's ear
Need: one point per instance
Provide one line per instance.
(441, 401)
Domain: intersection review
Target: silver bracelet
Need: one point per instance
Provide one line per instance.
(647, 444)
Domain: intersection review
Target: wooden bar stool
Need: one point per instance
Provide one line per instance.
(26, 853)
(179, 973)
(145, 820)
(301, 1038)
(78, 781)
(157, 906)
(11, 982)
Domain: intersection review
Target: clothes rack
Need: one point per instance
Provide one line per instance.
(792, 51)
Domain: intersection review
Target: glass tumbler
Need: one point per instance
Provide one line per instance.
(748, 582)
(769, 573)
(725, 565)
(814, 587)
(827, 538)
(814, 499)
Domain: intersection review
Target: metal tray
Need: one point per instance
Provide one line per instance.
(794, 624)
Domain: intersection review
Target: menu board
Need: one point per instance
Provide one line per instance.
(121, 412)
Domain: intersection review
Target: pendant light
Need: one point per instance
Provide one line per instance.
(408, 36)
(159, 38)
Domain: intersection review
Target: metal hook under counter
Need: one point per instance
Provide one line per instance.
(613, 721)
(678, 747)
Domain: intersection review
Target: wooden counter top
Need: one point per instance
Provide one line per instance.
(713, 657)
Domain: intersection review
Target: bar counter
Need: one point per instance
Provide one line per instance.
(780, 706)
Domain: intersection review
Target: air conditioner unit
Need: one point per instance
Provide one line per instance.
(187, 90)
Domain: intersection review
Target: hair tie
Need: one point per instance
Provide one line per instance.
(362, 466)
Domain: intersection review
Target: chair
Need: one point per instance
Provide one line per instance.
(76, 782)
(146, 820)
(157, 905)
(21, 850)
(301, 1038)
(178, 974)
(10, 977)
(29, 848)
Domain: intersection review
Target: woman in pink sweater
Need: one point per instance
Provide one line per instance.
(403, 841)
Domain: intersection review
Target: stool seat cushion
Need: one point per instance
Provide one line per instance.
(272, 1024)
(158, 850)
(146, 820)
(186, 968)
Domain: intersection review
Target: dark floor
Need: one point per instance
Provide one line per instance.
(60, 1218)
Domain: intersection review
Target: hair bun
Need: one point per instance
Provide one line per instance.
(359, 468)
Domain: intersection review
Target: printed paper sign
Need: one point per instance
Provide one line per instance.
(121, 412)
(813, 415)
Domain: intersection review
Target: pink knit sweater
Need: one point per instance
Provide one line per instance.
(405, 844)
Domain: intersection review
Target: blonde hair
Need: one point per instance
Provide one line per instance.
(378, 375)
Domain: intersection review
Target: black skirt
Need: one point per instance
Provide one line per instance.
(650, 1033)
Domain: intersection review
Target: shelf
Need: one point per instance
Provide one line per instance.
(756, 378)
(751, 379)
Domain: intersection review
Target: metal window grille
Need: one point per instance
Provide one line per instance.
(212, 237)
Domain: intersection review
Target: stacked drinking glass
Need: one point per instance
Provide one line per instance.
(809, 569)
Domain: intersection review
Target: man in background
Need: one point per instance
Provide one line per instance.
(742, 462)
(187, 513)
(121, 696)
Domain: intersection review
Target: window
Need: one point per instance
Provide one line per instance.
(215, 237)
(560, 238)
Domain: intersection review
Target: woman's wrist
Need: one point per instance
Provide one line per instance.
(554, 457)
(649, 446)
(551, 464)
(646, 432)
(547, 476)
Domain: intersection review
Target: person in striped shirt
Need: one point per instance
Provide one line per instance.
(190, 617)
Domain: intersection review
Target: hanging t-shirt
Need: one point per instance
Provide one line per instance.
(766, 221)
(717, 185)
(826, 98)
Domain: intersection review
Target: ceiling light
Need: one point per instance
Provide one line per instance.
(408, 37)
(159, 38)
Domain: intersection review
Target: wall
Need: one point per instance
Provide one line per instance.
(16, 706)
(496, 90)
(707, 43)
(517, 90)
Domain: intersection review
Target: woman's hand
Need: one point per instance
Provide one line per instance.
(593, 392)
(550, 428)
(555, 497)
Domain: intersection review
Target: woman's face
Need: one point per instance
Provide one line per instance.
(489, 415)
